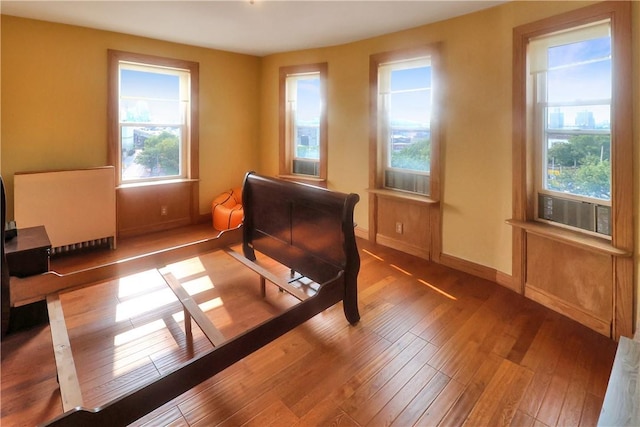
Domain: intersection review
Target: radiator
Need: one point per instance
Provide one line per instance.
(77, 207)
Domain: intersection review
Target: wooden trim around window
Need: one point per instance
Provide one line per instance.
(113, 149)
(285, 151)
(114, 57)
(376, 170)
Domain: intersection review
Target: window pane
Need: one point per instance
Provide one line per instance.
(410, 78)
(150, 111)
(580, 71)
(577, 162)
(150, 85)
(147, 97)
(307, 127)
(579, 165)
(150, 152)
(409, 116)
(595, 117)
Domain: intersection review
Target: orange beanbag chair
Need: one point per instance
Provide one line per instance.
(227, 211)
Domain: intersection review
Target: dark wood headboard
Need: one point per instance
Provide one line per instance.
(306, 228)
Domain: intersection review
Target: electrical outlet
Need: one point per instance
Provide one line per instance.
(163, 210)
(399, 227)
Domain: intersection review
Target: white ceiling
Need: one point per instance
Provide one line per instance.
(259, 28)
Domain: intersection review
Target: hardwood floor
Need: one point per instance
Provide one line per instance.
(434, 347)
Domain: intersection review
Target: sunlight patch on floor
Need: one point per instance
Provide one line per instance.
(372, 254)
(138, 332)
(144, 304)
(186, 268)
(211, 304)
(401, 270)
(139, 284)
(195, 286)
(440, 291)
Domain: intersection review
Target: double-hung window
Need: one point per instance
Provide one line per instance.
(573, 165)
(152, 109)
(404, 107)
(570, 74)
(303, 133)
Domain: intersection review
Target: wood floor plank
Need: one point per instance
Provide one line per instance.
(121, 384)
(331, 375)
(542, 359)
(277, 414)
(326, 413)
(381, 399)
(217, 403)
(248, 412)
(171, 417)
(436, 412)
(420, 403)
(363, 391)
(490, 397)
(553, 400)
(363, 375)
(590, 410)
(446, 331)
(472, 393)
(571, 411)
(390, 411)
(520, 419)
(512, 395)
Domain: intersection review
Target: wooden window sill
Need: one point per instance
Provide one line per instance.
(583, 241)
(159, 182)
(305, 179)
(402, 195)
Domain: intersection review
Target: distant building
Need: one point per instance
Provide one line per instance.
(556, 120)
(308, 136)
(585, 120)
(402, 137)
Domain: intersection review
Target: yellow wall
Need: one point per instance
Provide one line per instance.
(54, 102)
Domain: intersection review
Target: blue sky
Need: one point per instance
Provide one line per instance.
(308, 105)
(157, 96)
(141, 84)
(580, 72)
(414, 106)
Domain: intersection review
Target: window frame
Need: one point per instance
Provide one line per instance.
(286, 146)
(190, 146)
(378, 155)
(541, 129)
(621, 245)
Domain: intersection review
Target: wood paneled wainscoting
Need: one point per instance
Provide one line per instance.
(147, 208)
(406, 222)
(575, 278)
(434, 347)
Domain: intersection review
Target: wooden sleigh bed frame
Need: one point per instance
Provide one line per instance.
(308, 229)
